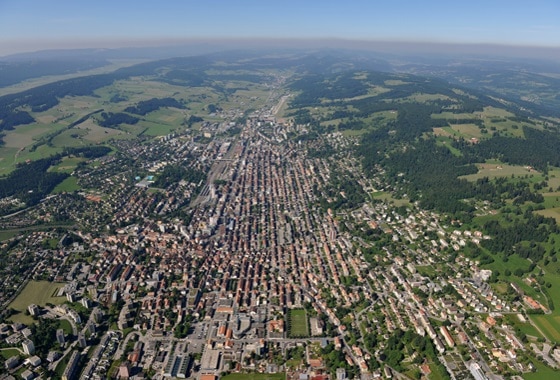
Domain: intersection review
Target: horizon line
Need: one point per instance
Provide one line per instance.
(30, 46)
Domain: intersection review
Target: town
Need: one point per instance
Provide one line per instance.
(205, 257)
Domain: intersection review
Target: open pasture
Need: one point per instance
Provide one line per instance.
(423, 98)
(495, 170)
(467, 130)
(67, 165)
(68, 185)
(549, 325)
(550, 213)
(25, 135)
(91, 132)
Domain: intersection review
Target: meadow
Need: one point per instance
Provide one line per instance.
(35, 292)
(69, 185)
(543, 372)
(496, 169)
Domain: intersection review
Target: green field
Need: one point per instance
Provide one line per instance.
(495, 170)
(66, 326)
(543, 372)
(61, 366)
(423, 97)
(7, 353)
(526, 327)
(513, 262)
(158, 129)
(437, 373)
(551, 203)
(387, 197)
(298, 326)
(467, 130)
(36, 292)
(426, 270)
(493, 119)
(254, 376)
(554, 177)
(5, 235)
(66, 165)
(447, 142)
(68, 185)
(549, 325)
(550, 213)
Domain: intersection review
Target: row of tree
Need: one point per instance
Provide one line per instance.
(146, 106)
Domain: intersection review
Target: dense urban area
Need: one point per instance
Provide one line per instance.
(249, 248)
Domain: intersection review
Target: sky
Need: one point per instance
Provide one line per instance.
(30, 25)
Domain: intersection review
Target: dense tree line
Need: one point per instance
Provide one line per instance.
(538, 149)
(533, 227)
(337, 359)
(314, 88)
(15, 72)
(32, 181)
(353, 124)
(83, 118)
(117, 98)
(44, 335)
(408, 342)
(113, 120)
(44, 97)
(12, 119)
(342, 192)
(147, 106)
(88, 151)
(340, 88)
(185, 70)
(186, 77)
(245, 77)
(431, 174)
(302, 116)
(175, 173)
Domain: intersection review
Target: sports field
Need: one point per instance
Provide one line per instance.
(298, 326)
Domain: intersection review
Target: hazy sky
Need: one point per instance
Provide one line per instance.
(37, 24)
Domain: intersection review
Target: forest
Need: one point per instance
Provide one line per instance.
(17, 71)
(147, 106)
(30, 182)
(113, 120)
(175, 173)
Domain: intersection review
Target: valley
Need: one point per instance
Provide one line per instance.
(225, 216)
